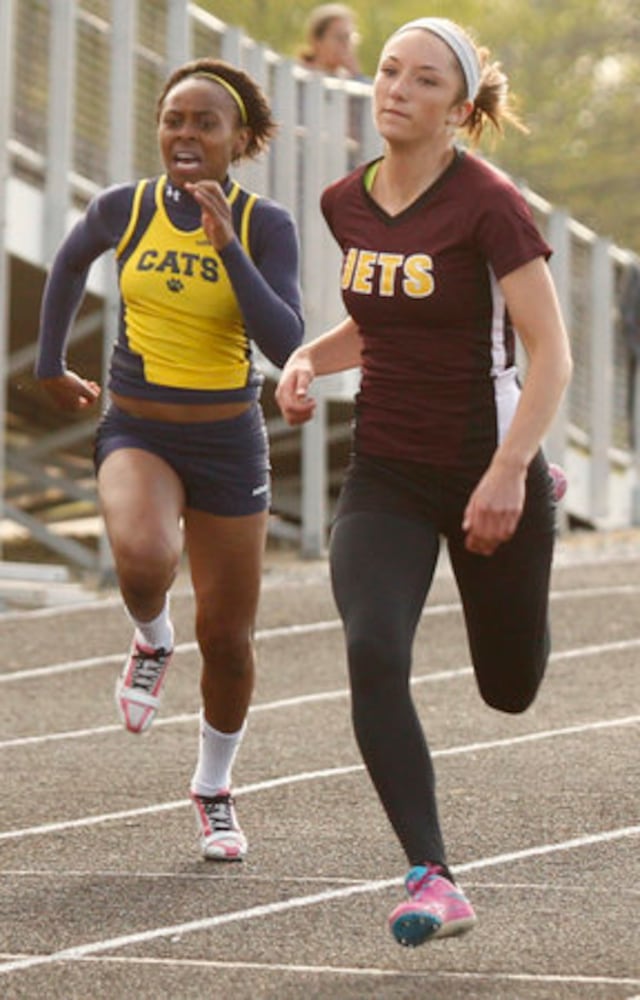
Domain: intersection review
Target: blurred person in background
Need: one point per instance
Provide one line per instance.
(331, 42)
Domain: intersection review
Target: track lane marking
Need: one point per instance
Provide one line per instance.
(287, 631)
(283, 906)
(294, 701)
(303, 776)
(360, 971)
(600, 649)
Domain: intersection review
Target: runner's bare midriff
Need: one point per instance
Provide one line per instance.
(179, 413)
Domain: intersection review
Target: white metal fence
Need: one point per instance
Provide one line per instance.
(82, 79)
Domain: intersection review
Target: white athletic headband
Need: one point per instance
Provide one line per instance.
(458, 42)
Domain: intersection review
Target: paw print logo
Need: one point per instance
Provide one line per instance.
(174, 285)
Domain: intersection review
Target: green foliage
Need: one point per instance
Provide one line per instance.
(576, 67)
(573, 64)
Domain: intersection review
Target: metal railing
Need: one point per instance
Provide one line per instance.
(84, 78)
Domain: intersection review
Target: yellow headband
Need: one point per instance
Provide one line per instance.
(230, 89)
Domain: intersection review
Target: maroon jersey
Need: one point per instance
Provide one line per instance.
(439, 382)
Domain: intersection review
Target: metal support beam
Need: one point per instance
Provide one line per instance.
(231, 49)
(601, 394)
(69, 549)
(62, 63)
(314, 435)
(122, 89)
(7, 11)
(178, 33)
(560, 239)
(635, 437)
(283, 152)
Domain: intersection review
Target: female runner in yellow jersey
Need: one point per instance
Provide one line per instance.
(205, 269)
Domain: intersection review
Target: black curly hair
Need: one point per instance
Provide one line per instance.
(259, 120)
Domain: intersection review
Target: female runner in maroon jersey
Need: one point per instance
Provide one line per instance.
(442, 263)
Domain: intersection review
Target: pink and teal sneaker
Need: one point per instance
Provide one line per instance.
(436, 908)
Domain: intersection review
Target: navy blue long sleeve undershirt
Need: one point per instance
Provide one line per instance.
(266, 285)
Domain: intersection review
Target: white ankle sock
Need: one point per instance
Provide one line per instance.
(158, 632)
(216, 753)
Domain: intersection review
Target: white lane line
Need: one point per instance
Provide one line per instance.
(620, 645)
(295, 701)
(272, 579)
(615, 590)
(288, 580)
(283, 906)
(573, 843)
(304, 776)
(112, 874)
(182, 647)
(367, 972)
(309, 628)
(213, 876)
(90, 733)
(360, 971)
(442, 675)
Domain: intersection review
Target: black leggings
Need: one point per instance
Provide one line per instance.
(383, 556)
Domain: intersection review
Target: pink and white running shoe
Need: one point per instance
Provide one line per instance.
(436, 908)
(139, 686)
(221, 838)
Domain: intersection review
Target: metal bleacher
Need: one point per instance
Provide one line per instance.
(81, 79)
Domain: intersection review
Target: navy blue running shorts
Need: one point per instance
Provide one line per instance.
(223, 464)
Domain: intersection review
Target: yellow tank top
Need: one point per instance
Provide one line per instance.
(181, 315)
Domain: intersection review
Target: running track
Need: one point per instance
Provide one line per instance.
(103, 893)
